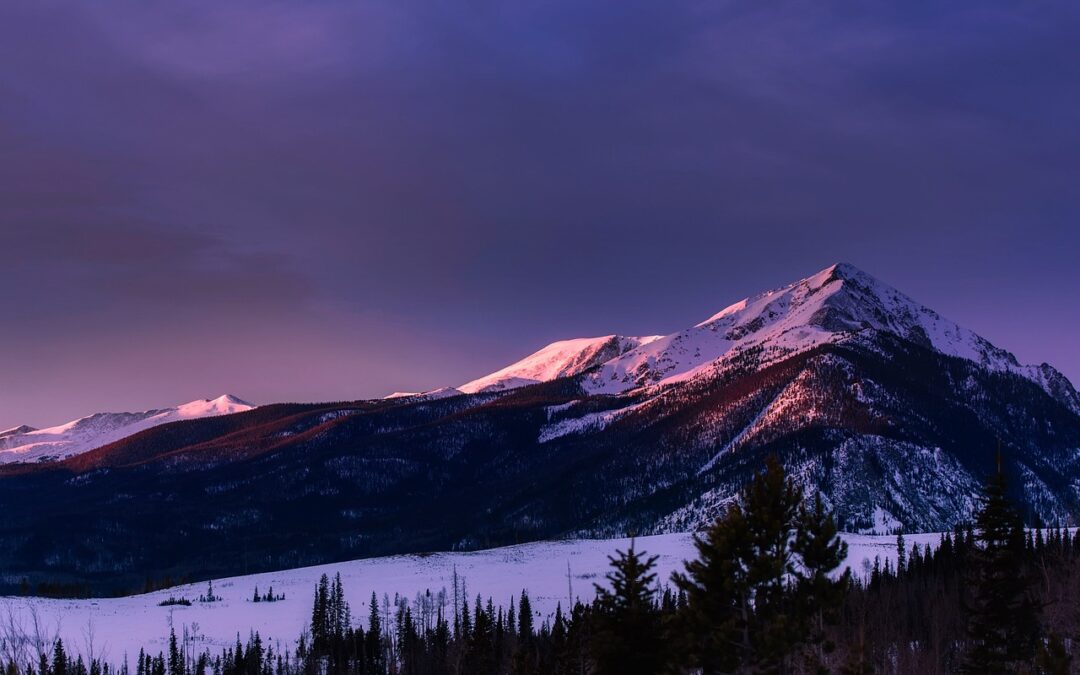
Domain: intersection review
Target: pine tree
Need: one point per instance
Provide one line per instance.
(525, 619)
(715, 623)
(1003, 618)
(772, 502)
(820, 551)
(60, 660)
(742, 609)
(336, 609)
(373, 640)
(466, 622)
(319, 627)
(524, 661)
(628, 639)
(176, 662)
(901, 554)
(480, 650)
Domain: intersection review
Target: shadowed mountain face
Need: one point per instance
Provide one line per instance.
(892, 413)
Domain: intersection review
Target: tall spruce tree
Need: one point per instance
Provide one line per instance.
(715, 622)
(753, 594)
(820, 551)
(319, 627)
(628, 639)
(772, 502)
(176, 660)
(373, 642)
(1003, 622)
(60, 660)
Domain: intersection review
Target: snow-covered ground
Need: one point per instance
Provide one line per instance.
(121, 626)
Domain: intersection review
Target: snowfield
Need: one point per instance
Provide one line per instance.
(118, 627)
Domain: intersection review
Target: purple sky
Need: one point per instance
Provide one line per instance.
(330, 200)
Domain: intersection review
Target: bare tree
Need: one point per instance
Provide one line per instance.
(14, 643)
(89, 641)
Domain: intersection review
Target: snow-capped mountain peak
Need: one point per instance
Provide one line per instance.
(434, 394)
(22, 429)
(225, 404)
(837, 304)
(26, 444)
(564, 358)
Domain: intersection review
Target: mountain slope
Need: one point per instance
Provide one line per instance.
(26, 444)
(889, 411)
(840, 303)
(565, 358)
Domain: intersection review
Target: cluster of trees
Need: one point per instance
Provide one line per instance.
(210, 596)
(268, 596)
(765, 595)
(992, 598)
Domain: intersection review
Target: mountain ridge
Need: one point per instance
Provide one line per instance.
(784, 320)
(27, 444)
(888, 411)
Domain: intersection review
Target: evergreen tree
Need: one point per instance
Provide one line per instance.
(757, 592)
(525, 619)
(376, 663)
(1003, 618)
(337, 609)
(627, 639)
(319, 627)
(176, 663)
(524, 656)
(59, 660)
(901, 554)
(820, 551)
(715, 622)
(772, 502)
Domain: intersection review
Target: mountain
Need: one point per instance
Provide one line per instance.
(565, 358)
(442, 392)
(837, 305)
(27, 444)
(890, 411)
(23, 429)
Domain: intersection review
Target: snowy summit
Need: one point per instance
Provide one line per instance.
(26, 444)
(838, 304)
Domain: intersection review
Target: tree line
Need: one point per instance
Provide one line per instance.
(766, 594)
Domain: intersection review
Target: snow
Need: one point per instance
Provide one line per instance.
(24, 444)
(586, 423)
(22, 429)
(741, 436)
(559, 359)
(884, 522)
(124, 625)
(840, 303)
(442, 392)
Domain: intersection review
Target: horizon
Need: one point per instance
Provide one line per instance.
(335, 202)
(241, 399)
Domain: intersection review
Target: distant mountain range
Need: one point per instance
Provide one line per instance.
(27, 444)
(891, 411)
